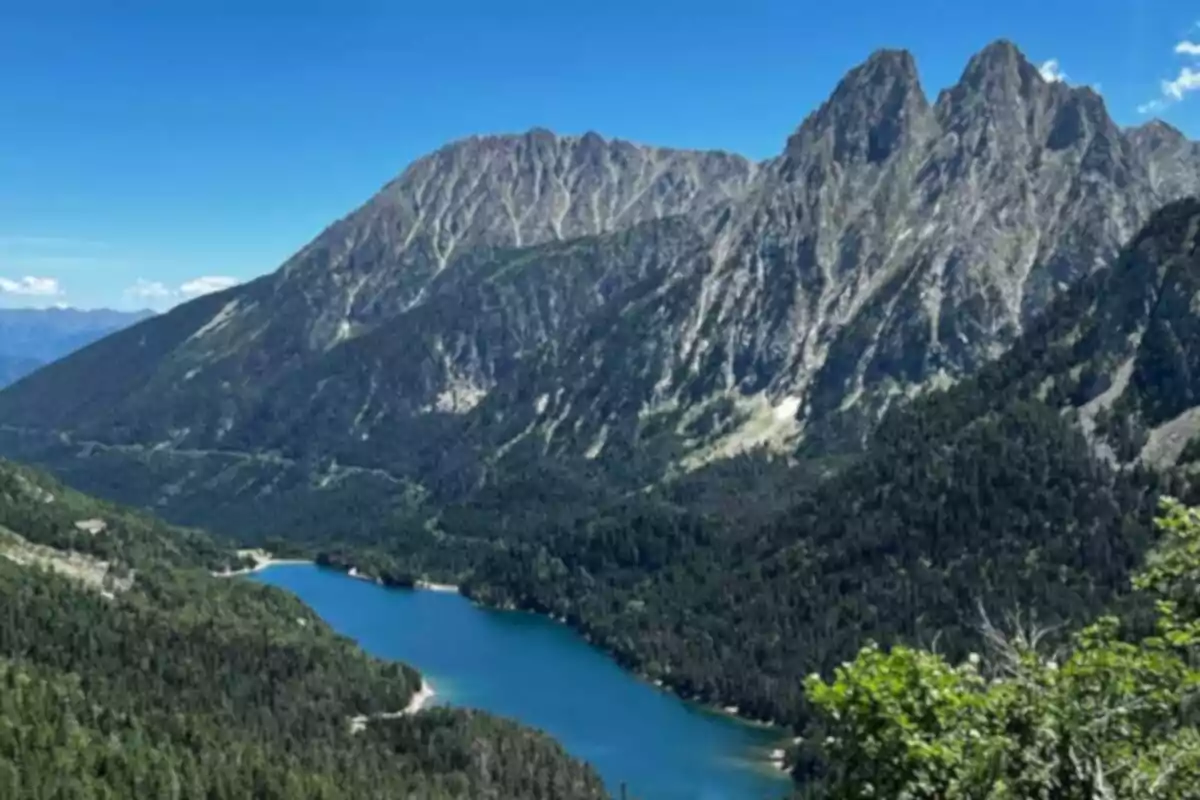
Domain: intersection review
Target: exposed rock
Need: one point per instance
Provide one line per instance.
(92, 526)
(583, 297)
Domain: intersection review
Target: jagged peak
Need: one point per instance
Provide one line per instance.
(883, 68)
(542, 136)
(1001, 64)
(1158, 133)
(896, 61)
(872, 110)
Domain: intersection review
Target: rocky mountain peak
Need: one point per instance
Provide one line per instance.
(1001, 63)
(1157, 134)
(874, 110)
(999, 86)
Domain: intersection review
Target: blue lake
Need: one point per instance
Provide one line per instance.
(541, 673)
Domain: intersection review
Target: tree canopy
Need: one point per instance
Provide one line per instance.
(1113, 714)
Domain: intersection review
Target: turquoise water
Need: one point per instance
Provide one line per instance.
(536, 671)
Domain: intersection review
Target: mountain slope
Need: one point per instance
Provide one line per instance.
(130, 671)
(512, 298)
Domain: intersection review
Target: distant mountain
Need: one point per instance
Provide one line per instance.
(14, 367)
(637, 311)
(31, 337)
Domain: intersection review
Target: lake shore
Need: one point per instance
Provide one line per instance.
(510, 666)
(265, 560)
(262, 560)
(428, 586)
(421, 699)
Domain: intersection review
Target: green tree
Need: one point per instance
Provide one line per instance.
(1113, 716)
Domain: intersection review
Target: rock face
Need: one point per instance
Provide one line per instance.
(596, 299)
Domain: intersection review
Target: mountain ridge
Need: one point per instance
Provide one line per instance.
(600, 301)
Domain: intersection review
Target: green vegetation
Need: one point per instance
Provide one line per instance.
(1114, 716)
(46, 512)
(1011, 510)
(185, 685)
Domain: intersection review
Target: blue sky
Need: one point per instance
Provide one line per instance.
(150, 151)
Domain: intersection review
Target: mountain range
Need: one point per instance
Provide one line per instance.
(646, 308)
(32, 337)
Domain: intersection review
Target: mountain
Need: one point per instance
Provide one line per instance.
(14, 367)
(130, 671)
(633, 310)
(1029, 487)
(31, 337)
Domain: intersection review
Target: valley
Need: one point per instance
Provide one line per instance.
(771, 434)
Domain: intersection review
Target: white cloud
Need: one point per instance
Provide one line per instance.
(30, 286)
(1188, 81)
(1051, 71)
(159, 293)
(207, 285)
(148, 290)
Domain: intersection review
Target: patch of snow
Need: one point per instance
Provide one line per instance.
(786, 408)
(756, 423)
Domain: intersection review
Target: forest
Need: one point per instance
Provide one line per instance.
(1108, 713)
(192, 686)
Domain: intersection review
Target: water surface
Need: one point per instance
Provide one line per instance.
(539, 672)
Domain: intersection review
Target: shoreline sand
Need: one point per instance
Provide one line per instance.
(262, 560)
(419, 702)
(429, 586)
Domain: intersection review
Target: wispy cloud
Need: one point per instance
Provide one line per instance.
(207, 285)
(1052, 71)
(1188, 81)
(31, 286)
(1177, 89)
(148, 290)
(159, 293)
